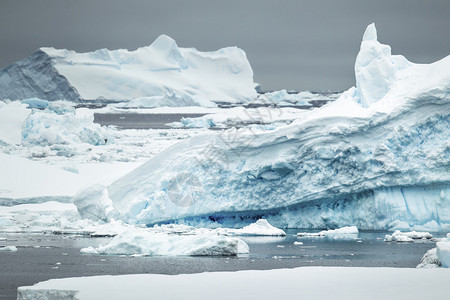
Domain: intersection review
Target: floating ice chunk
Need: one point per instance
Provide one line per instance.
(259, 228)
(437, 257)
(430, 260)
(443, 253)
(59, 124)
(142, 242)
(8, 249)
(399, 236)
(340, 233)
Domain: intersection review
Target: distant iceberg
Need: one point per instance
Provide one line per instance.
(156, 75)
(376, 158)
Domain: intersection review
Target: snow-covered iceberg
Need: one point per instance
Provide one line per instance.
(348, 232)
(159, 74)
(372, 159)
(399, 236)
(144, 242)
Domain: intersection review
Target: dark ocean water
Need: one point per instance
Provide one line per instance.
(42, 257)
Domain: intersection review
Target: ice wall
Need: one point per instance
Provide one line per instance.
(160, 70)
(381, 164)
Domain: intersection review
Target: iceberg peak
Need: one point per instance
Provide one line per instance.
(164, 43)
(374, 68)
(371, 33)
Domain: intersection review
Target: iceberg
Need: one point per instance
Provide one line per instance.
(143, 242)
(348, 232)
(60, 124)
(156, 75)
(374, 159)
(399, 236)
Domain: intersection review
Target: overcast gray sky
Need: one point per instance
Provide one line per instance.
(301, 44)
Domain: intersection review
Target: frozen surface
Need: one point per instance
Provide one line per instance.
(156, 75)
(378, 164)
(148, 242)
(339, 283)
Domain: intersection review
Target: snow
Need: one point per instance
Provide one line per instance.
(148, 242)
(8, 249)
(348, 232)
(399, 236)
(24, 179)
(339, 283)
(371, 159)
(12, 116)
(159, 74)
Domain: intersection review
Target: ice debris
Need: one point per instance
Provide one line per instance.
(399, 236)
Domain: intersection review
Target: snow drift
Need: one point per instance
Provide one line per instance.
(161, 72)
(376, 158)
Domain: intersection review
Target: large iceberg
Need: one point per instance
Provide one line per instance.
(161, 72)
(376, 158)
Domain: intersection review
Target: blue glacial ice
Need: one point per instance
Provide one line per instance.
(376, 158)
(157, 75)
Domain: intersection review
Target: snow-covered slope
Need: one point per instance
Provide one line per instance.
(300, 283)
(371, 160)
(183, 76)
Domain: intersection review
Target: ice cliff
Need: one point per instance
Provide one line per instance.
(162, 70)
(377, 158)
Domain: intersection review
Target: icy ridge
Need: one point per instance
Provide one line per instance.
(35, 76)
(378, 164)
